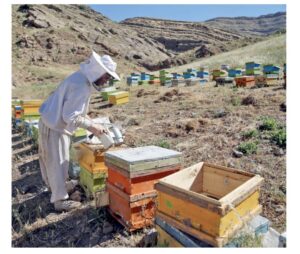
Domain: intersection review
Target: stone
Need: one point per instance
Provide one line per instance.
(107, 228)
(237, 154)
(76, 196)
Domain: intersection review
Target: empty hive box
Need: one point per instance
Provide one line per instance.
(209, 202)
(118, 98)
(135, 170)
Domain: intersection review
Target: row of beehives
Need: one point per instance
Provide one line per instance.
(147, 186)
(268, 75)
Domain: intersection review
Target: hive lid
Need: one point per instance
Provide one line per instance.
(142, 158)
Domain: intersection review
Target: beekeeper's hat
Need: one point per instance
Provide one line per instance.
(96, 66)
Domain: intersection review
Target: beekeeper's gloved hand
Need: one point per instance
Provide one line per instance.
(97, 129)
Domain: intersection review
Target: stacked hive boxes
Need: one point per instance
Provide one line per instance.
(209, 202)
(235, 73)
(203, 73)
(117, 98)
(132, 174)
(253, 68)
(133, 79)
(93, 172)
(164, 77)
(17, 114)
(154, 80)
(107, 91)
(245, 81)
(271, 71)
(30, 109)
(219, 73)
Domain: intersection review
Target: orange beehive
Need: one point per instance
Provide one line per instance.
(135, 170)
(132, 211)
(138, 184)
(245, 81)
(132, 174)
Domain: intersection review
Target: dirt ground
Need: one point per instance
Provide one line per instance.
(205, 123)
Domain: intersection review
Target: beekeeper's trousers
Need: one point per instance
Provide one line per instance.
(54, 160)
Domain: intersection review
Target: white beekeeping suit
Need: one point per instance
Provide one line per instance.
(63, 112)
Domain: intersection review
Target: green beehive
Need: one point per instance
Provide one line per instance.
(92, 182)
(105, 95)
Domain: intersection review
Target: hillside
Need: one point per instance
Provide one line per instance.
(49, 41)
(272, 50)
(259, 26)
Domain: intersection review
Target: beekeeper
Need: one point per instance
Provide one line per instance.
(62, 112)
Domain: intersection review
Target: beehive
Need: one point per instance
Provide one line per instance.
(118, 98)
(135, 170)
(209, 202)
(31, 107)
(105, 93)
(245, 81)
(91, 157)
(132, 211)
(92, 182)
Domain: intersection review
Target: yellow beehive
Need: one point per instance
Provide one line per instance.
(209, 202)
(118, 98)
(31, 107)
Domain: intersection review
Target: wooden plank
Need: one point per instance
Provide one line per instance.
(178, 236)
(186, 212)
(166, 240)
(139, 155)
(239, 216)
(189, 230)
(148, 172)
(242, 191)
(132, 198)
(218, 185)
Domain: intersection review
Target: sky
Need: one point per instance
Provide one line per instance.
(183, 12)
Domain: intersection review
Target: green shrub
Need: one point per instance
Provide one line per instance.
(163, 144)
(250, 134)
(248, 148)
(279, 137)
(236, 101)
(268, 123)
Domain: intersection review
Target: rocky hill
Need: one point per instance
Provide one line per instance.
(49, 41)
(260, 26)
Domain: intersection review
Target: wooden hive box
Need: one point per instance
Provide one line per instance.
(209, 202)
(31, 107)
(245, 81)
(136, 170)
(91, 157)
(90, 182)
(132, 211)
(118, 98)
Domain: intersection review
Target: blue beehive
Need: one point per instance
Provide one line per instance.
(252, 66)
(271, 69)
(235, 73)
(187, 75)
(202, 74)
(176, 75)
(145, 76)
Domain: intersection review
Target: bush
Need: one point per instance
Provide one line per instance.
(279, 137)
(250, 134)
(236, 101)
(247, 148)
(163, 144)
(269, 124)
